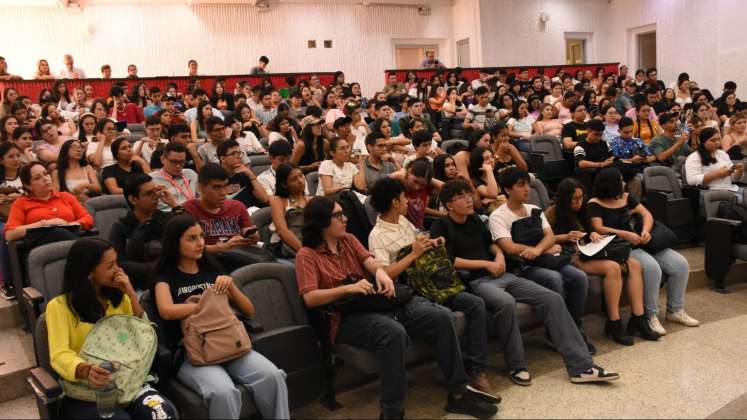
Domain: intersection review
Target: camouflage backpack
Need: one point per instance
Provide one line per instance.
(129, 341)
(432, 275)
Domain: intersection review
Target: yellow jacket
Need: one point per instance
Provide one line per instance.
(66, 334)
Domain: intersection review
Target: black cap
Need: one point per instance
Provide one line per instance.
(342, 121)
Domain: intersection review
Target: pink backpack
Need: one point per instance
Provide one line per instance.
(213, 334)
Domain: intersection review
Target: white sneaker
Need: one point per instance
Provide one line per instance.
(653, 322)
(683, 318)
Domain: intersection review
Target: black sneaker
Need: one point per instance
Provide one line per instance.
(8, 292)
(468, 403)
(484, 395)
(594, 374)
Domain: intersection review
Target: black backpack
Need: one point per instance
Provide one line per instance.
(359, 224)
(528, 231)
(735, 212)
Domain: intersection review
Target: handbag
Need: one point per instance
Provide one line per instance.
(617, 250)
(661, 236)
(375, 302)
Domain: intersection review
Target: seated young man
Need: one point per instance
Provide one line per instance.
(179, 133)
(470, 246)
(419, 184)
(243, 184)
(392, 233)
(331, 255)
(379, 162)
(280, 152)
(216, 133)
(178, 180)
(421, 141)
(592, 154)
(143, 196)
(634, 156)
(568, 281)
(225, 222)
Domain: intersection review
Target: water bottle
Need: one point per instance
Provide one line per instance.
(106, 397)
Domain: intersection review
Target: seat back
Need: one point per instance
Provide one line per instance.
(105, 210)
(454, 145)
(47, 268)
(258, 169)
(136, 128)
(262, 219)
(41, 345)
(312, 180)
(258, 160)
(547, 145)
(662, 179)
(538, 194)
(273, 290)
(712, 199)
(132, 138)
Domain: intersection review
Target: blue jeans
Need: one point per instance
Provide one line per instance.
(569, 282)
(671, 263)
(215, 383)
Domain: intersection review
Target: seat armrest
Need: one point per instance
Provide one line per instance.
(730, 222)
(45, 386)
(32, 295)
(291, 348)
(90, 232)
(253, 326)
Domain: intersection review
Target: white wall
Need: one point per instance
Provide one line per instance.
(224, 39)
(513, 35)
(467, 26)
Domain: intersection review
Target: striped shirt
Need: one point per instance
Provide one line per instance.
(387, 239)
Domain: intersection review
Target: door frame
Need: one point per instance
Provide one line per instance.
(634, 57)
(440, 46)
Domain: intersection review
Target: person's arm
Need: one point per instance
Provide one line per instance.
(538, 127)
(138, 160)
(359, 179)
(193, 129)
(80, 213)
(666, 154)
(97, 158)
(329, 190)
(48, 156)
(307, 277)
(111, 185)
(568, 143)
(517, 158)
(239, 299)
(597, 225)
(56, 180)
(64, 360)
(277, 212)
(167, 309)
(511, 133)
(93, 180)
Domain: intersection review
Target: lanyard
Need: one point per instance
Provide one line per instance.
(188, 193)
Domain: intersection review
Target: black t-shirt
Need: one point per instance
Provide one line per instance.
(470, 240)
(240, 188)
(184, 285)
(595, 152)
(576, 131)
(618, 218)
(155, 160)
(120, 175)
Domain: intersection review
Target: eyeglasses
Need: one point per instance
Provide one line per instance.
(176, 162)
(339, 215)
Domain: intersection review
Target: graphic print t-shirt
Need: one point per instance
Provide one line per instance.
(229, 222)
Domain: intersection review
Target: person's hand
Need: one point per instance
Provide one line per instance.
(637, 159)
(724, 172)
(530, 253)
(55, 222)
(504, 148)
(222, 284)
(248, 124)
(192, 148)
(253, 238)
(607, 162)
(495, 268)
(555, 249)
(242, 169)
(361, 287)
(595, 237)
(78, 189)
(236, 242)
(13, 196)
(314, 166)
(421, 245)
(387, 157)
(440, 241)
(98, 376)
(166, 197)
(631, 237)
(645, 237)
(384, 283)
(121, 281)
(575, 235)
(487, 168)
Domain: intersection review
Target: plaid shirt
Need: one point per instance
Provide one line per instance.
(626, 149)
(321, 269)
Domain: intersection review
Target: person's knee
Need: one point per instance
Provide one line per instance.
(392, 335)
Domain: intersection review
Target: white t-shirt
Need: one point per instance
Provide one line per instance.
(146, 150)
(523, 125)
(359, 145)
(107, 158)
(249, 143)
(341, 177)
(696, 172)
(502, 218)
(275, 136)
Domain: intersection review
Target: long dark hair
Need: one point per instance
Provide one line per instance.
(281, 180)
(475, 137)
(81, 132)
(608, 184)
(63, 162)
(56, 92)
(705, 156)
(439, 166)
(3, 135)
(475, 162)
(317, 215)
(567, 219)
(77, 286)
(135, 97)
(200, 118)
(4, 149)
(172, 236)
(309, 142)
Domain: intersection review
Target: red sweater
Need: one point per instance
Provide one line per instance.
(26, 210)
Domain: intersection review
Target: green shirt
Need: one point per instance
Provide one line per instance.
(661, 143)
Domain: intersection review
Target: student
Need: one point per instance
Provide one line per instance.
(94, 287)
(671, 150)
(178, 133)
(126, 165)
(338, 174)
(309, 153)
(380, 162)
(421, 141)
(419, 185)
(74, 174)
(567, 218)
(23, 138)
(180, 181)
(609, 212)
(478, 138)
(48, 149)
(471, 248)
(99, 151)
(482, 115)
(483, 178)
(185, 269)
(574, 132)
(592, 154)
(710, 166)
(216, 131)
(392, 233)
(633, 155)
(243, 184)
(11, 189)
(567, 281)
(290, 193)
(225, 222)
(148, 144)
(330, 255)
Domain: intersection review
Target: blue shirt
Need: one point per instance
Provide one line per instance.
(626, 149)
(150, 110)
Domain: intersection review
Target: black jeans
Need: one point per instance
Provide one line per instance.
(147, 406)
(388, 334)
(475, 344)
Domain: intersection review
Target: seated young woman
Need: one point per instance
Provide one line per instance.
(710, 166)
(74, 174)
(505, 154)
(547, 123)
(309, 153)
(127, 163)
(185, 270)
(478, 138)
(43, 207)
(94, 287)
(482, 175)
(567, 219)
(11, 189)
(337, 174)
(290, 194)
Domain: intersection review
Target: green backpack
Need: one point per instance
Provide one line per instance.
(128, 340)
(432, 275)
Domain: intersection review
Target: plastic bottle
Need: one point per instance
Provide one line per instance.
(106, 397)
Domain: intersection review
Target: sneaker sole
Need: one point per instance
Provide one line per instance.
(484, 396)
(520, 382)
(677, 321)
(594, 379)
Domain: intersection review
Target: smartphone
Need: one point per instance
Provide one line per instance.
(251, 231)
